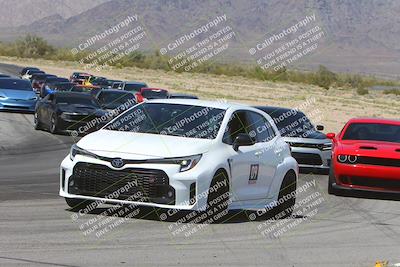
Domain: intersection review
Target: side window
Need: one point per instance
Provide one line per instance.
(237, 124)
(261, 129)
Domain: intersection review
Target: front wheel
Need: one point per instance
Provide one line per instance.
(53, 124)
(287, 196)
(218, 198)
(36, 122)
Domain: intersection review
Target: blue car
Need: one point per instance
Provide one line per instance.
(17, 94)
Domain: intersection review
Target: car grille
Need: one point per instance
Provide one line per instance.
(307, 158)
(308, 145)
(371, 182)
(379, 161)
(146, 185)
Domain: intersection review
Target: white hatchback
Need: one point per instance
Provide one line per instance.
(183, 154)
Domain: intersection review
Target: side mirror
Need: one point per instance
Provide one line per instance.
(242, 140)
(320, 127)
(330, 136)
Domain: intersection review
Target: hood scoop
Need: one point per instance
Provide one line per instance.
(368, 148)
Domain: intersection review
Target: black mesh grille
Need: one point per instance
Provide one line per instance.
(371, 182)
(100, 181)
(379, 161)
(307, 158)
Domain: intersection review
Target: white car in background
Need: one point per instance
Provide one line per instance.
(185, 155)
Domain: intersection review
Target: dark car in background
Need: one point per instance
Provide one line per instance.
(69, 111)
(4, 75)
(310, 147)
(44, 88)
(29, 73)
(57, 86)
(151, 93)
(17, 95)
(79, 77)
(24, 70)
(133, 86)
(39, 79)
(112, 99)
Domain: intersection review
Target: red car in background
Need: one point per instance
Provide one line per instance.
(151, 93)
(366, 157)
(79, 77)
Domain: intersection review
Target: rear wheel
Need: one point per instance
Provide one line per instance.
(53, 124)
(287, 196)
(76, 204)
(218, 198)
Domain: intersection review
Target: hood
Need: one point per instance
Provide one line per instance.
(370, 148)
(81, 109)
(129, 145)
(18, 94)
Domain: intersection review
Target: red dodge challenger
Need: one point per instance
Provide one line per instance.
(366, 156)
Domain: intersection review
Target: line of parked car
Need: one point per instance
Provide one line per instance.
(365, 155)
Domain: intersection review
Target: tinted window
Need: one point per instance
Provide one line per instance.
(373, 131)
(15, 84)
(238, 123)
(154, 94)
(134, 87)
(291, 123)
(170, 119)
(114, 99)
(261, 129)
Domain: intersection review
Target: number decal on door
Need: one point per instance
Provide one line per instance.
(253, 173)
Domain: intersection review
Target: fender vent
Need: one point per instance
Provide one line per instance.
(368, 148)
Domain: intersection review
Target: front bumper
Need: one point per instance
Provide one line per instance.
(184, 185)
(83, 124)
(367, 178)
(312, 157)
(18, 105)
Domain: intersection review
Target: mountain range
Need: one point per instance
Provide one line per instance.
(359, 36)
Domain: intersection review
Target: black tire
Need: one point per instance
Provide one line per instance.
(218, 198)
(331, 180)
(53, 124)
(76, 204)
(285, 207)
(36, 122)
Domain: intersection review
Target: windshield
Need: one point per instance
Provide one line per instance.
(373, 132)
(170, 119)
(291, 123)
(114, 99)
(154, 94)
(134, 87)
(76, 100)
(15, 84)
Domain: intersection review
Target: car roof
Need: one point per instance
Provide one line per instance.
(205, 103)
(153, 89)
(374, 120)
(116, 91)
(134, 82)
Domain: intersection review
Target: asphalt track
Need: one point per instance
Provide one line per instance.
(36, 229)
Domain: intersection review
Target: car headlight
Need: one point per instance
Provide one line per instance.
(186, 163)
(326, 146)
(347, 159)
(76, 150)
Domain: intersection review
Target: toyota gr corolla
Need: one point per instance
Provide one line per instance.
(183, 154)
